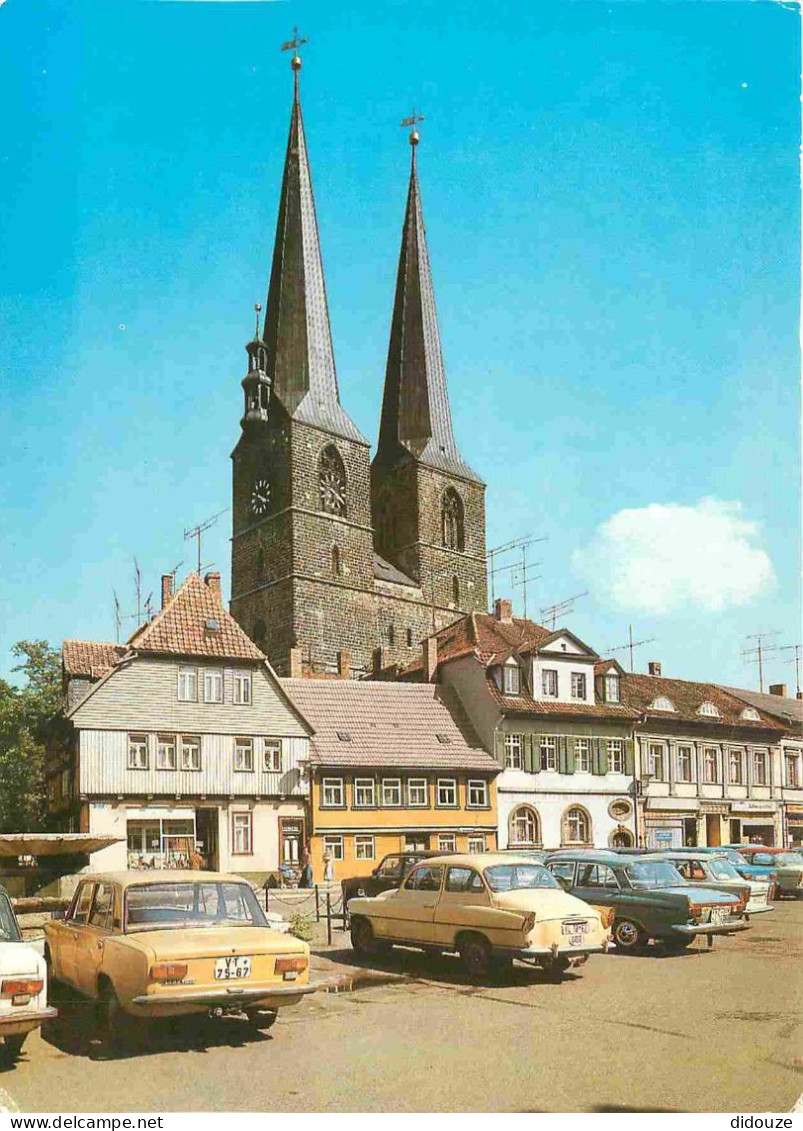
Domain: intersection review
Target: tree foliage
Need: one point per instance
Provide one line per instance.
(28, 721)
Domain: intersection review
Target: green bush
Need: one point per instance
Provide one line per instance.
(302, 925)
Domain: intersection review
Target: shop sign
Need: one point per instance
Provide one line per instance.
(715, 809)
(754, 807)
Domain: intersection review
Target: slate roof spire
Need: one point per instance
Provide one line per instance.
(300, 357)
(415, 408)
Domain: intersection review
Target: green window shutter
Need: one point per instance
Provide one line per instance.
(630, 756)
(598, 756)
(500, 747)
(529, 762)
(563, 767)
(536, 749)
(570, 755)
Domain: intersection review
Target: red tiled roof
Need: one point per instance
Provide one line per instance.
(514, 704)
(388, 724)
(90, 658)
(481, 634)
(639, 691)
(182, 628)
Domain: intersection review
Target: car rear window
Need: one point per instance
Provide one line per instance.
(514, 877)
(653, 874)
(164, 906)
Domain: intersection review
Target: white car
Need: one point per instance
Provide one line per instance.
(23, 984)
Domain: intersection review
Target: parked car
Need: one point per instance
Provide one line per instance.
(491, 908)
(786, 863)
(23, 984)
(173, 943)
(743, 866)
(537, 854)
(649, 898)
(712, 871)
(388, 874)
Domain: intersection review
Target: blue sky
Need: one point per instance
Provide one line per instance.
(611, 197)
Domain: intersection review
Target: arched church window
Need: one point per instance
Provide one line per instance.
(337, 564)
(332, 481)
(391, 635)
(452, 525)
(260, 629)
(384, 519)
(456, 592)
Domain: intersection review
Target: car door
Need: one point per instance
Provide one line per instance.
(463, 902)
(597, 884)
(91, 940)
(563, 871)
(410, 913)
(65, 939)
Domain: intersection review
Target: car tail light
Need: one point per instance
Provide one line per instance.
(168, 971)
(290, 963)
(606, 914)
(14, 987)
(695, 909)
(529, 923)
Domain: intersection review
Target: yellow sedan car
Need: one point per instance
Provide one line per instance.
(151, 944)
(491, 908)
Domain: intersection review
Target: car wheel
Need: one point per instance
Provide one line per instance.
(629, 936)
(116, 1026)
(262, 1019)
(475, 954)
(362, 936)
(12, 1046)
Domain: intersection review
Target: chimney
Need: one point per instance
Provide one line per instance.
(430, 651)
(344, 663)
(167, 588)
(503, 609)
(212, 581)
(296, 671)
(654, 667)
(778, 689)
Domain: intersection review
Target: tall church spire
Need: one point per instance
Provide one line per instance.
(300, 358)
(416, 417)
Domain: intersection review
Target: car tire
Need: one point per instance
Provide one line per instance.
(262, 1019)
(475, 954)
(362, 936)
(115, 1025)
(629, 937)
(12, 1046)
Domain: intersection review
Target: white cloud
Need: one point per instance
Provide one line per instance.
(667, 556)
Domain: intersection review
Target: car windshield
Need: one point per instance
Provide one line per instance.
(789, 858)
(513, 877)
(734, 856)
(723, 869)
(9, 931)
(172, 906)
(653, 874)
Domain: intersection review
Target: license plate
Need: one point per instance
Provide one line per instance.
(228, 969)
(576, 929)
(720, 914)
(576, 940)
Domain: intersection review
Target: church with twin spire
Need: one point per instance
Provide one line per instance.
(342, 564)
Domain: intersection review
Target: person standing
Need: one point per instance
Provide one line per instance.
(306, 866)
(328, 868)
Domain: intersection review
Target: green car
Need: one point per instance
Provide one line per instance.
(650, 899)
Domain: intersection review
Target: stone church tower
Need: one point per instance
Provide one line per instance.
(309, 586)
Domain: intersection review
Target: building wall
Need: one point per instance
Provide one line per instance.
(552, 805)
(385, 842)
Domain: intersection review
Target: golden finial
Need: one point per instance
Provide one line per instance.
(293, 45)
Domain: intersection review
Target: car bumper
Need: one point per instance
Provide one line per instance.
(22, 1021)
(711, 928)
(759, 909)
(230, 996)
(558, 951)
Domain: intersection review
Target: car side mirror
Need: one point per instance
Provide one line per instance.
(58, 914)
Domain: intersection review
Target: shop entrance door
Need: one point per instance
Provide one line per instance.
(291, 837)
(206, 828)
(712, 830)
(736, 830)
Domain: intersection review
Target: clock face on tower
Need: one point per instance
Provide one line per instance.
(260, 496)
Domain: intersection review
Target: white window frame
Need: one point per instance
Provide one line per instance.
(514, 751)
(187, 674)
(476, 843)
(447, 783)
(549, 677)
(335, 786)
(395, 785)
(364, 784)
(615, 755)
(213, 683)
(735, 759)
(511, 679)
(656, 755)
(548, 752)
(417, 784)
(681, 776)
(364, 847)
(243, 755)
(272, 756)
(190, 742)
(582, 818)
(166, 742)
(582, 757)
(479, 788)
(760, 759)
(579, 684)
(611, 685)
(709, 710)
(447, 842)
(710, 765)
(791, 773)
(138, 742)
(243, 688)
(242, 822)
(334, 845)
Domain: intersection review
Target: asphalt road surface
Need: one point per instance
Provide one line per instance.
(702, 1031)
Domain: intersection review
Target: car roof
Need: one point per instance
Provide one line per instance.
(154, 876)
(479, 859)
(586, 855)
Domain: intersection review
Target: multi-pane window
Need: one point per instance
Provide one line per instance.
(710, 773)
(137, 751)
(333, 793)
(244, 755)
(549, 753)
(524, 826)
(655, 760)
(735, 772)
(582, 755)
(511, 677)
(513, 757)
(549, 683)
(616, 756)
(166, 752)
(611, 688)
(476, 844)
(446, 842)
(577, 826)
(578, 685)
(760, 767)
(417, 792)
(364, 793)
(190, 752)
(792, 776)
(188, 684)
(242, 834)
(391, 791)
(213, 685)
(242, 687)
(364, 847)
(477, 794)
(685, 762)
(334, 846)
(447, 792)
(272, 756)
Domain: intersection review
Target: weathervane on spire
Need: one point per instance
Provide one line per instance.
(412, 122)
(293, 45)
(257, 311)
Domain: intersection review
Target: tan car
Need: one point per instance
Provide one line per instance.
(164, 944)
(491, 908)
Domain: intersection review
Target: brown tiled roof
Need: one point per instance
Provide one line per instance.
(778, 706)
(639, 691)
(482, 635)
(514, 704)
(181, 627)
(90, 658)
(388, 724)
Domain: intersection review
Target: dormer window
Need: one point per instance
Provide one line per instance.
(662, 704)
(749, 713)
(511, 677)
(611, 688)
(708, 708)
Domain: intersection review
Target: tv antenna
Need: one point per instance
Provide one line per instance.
(756, 655)
(630, 646)
(138, 589)
(118, 620)
(506, 548)
(197, 531)
(793, 660)
(552, 612)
